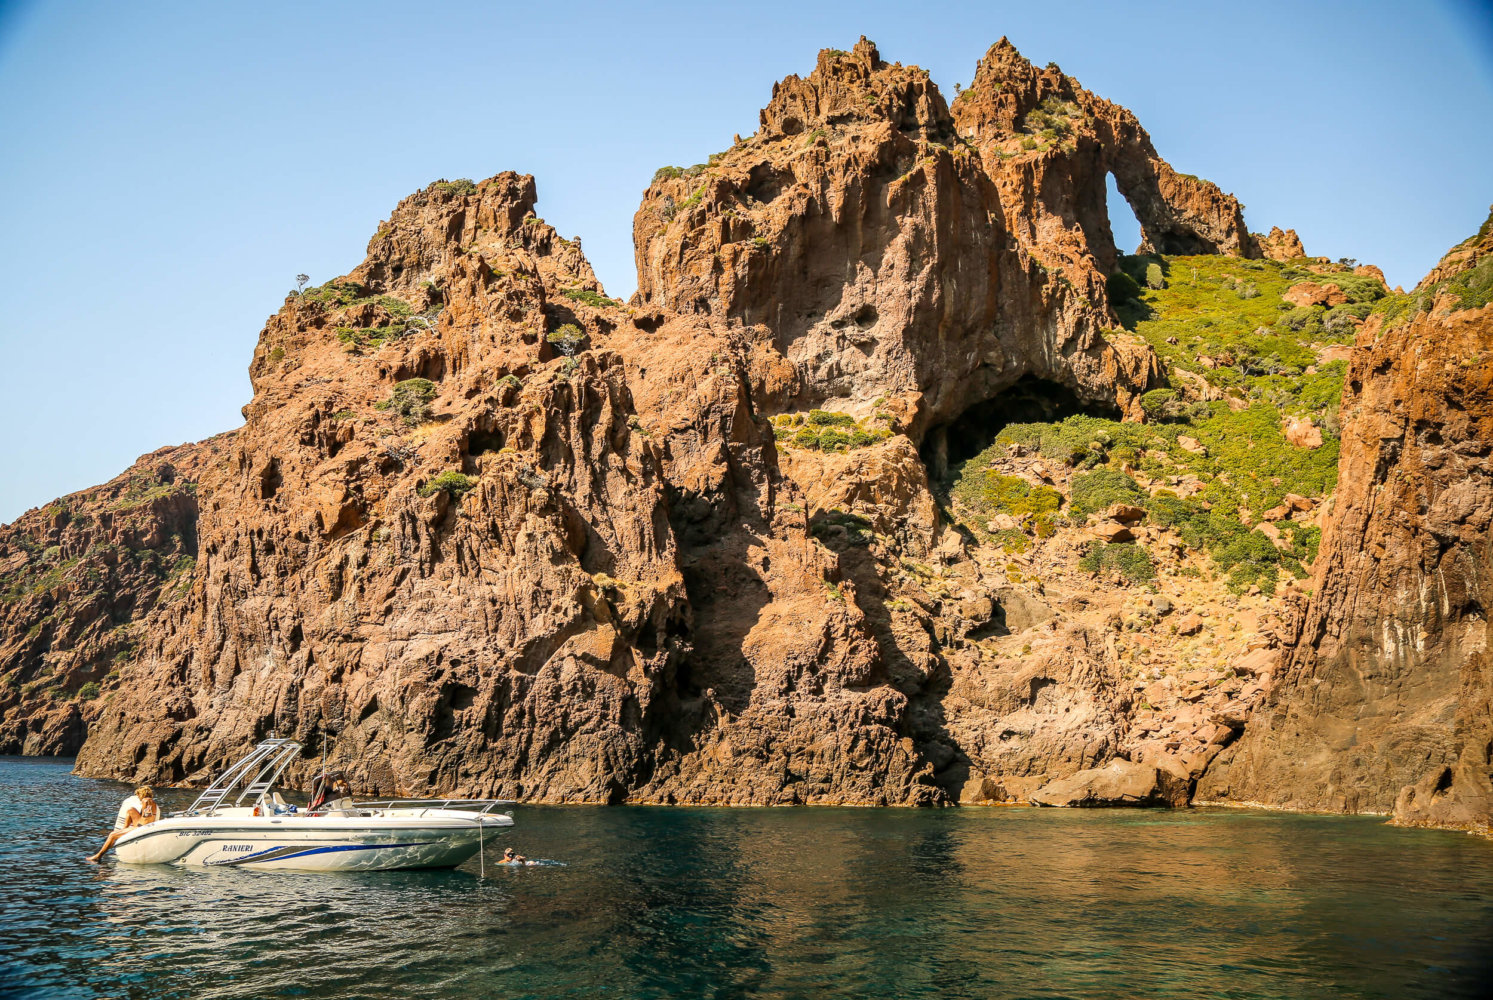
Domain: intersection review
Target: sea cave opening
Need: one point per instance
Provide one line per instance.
(1029, 400)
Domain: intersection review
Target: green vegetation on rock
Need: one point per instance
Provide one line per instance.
(1094, 492)
(451, 482)
(410, 399)
(590, 298)
(567, 339)
(987, 493)
(460, 186)
(1129, 558)
(827, 430)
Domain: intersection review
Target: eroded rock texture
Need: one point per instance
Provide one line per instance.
(82, 579)
(1385, 705)
(504, 535)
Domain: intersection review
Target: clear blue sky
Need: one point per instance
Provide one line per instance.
(168, 168)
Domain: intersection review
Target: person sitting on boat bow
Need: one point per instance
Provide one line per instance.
(140, 809)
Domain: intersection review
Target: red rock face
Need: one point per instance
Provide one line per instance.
(82, 579)
(1049, 144)
(1386, 702)
(504, 535)
(866, 253)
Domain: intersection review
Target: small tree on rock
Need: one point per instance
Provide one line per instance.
(567, 339)
(411, 399)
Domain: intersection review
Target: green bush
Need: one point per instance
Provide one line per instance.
(397, 308)
(411, 399)
(333, 294)
(829, 418)
(667, 173)
(1131, 559)
(1155, 280)
(833, 439)
(1096, 491)
(590, 298)
(1121, 287)
(1079, 438)
(88, 691)
(460, 186)
(452, 482)
(986, 492)
(567, 339)
(1160, 403)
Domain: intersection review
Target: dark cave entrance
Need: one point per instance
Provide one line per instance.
(1029, 400)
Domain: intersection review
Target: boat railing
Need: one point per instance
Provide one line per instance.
(477, 807)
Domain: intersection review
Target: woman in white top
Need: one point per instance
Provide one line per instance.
(139, 809)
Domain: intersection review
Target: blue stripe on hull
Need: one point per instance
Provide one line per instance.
(265, 855)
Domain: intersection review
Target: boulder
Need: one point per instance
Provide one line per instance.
(1111, 531)
(1191, 444)
(1126, 513)
(1257, 663)
(1302, 432)
(1278, 245)
(1309, 293)
(1190, 625)
(1119, 783)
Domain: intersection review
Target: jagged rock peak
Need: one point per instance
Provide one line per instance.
(855, 86)
(1017, 115)
(1280, 245)
(429, 229)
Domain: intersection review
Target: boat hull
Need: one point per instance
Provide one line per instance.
(302, 843)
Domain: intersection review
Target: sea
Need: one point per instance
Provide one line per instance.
(662, 902)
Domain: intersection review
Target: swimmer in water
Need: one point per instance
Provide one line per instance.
(512, 857)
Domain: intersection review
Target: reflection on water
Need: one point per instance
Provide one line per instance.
(777, 903)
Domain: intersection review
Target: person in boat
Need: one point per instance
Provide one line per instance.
(330, 793)
(512, 857)
(140, 809)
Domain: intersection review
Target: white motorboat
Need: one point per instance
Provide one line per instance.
(259, 830)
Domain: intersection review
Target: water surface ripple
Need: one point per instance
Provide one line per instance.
(657, 903)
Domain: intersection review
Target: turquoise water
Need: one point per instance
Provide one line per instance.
(772, 903)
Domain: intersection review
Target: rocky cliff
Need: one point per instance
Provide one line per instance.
(82, 577)
(895, 483)
(1387, 703)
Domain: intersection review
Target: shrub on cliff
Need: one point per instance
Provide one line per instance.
(411, 399)
(590, 298)
(460, 186)
(450, 481)
(1131, 559)
(1161, 404)
(567, 339)
(1095, 491)
(986, 492)
(1080, 439)
(1121, 287)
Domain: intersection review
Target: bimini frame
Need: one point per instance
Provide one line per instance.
(257, 771)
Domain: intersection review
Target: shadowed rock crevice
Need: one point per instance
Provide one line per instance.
(1029, 400)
